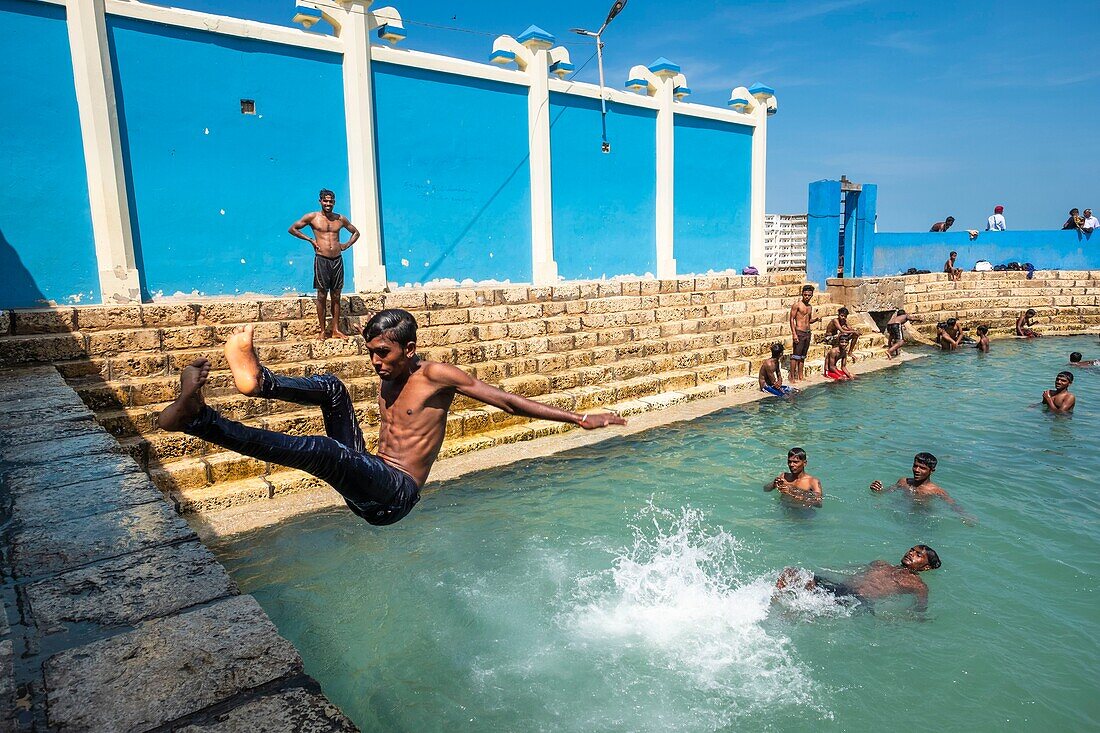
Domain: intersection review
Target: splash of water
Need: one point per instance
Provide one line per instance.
(678, 600)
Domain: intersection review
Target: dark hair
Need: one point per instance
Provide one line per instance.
(842, 312)
(393, 323)
(926, 459)
(777, 350)
(952, 254)
(1073, 210)
(797, 453)
(901, 311)
(933, 556)
(844, 338)
(951, 322)
(950, 218)
(1030, 312)
(1067, 375)
(1075, 357)
(983, 330)
(807, 287)
(325, 192)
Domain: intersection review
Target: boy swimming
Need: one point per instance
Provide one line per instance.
(880, 579)
(983, 339)
(796, 483)
(1060, 399)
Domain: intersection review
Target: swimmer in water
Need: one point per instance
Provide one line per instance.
(880, 579)
(1060, 399)
(920, 486)
(983, 339)
(949, 334)
(1076, 360)
(796, 483)
(771, 374)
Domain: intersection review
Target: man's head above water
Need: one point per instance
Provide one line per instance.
(920, 558)
(923, 466)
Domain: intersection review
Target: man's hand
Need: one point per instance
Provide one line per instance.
(876, 485)
(591, 421)
(782, 483)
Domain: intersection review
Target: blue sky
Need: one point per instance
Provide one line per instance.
(951, 107)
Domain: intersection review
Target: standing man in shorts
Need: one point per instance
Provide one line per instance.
(801, 318)
(328, 260)
(895, 332)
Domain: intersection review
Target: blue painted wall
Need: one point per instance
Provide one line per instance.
(603, 203)
(823, 231)
(212, 191)
(454, 177)
(47, 251)
(896, 252)
(713, 188)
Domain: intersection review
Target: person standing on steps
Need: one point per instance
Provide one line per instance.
(413, 401)
(802, 316)
(328, 260)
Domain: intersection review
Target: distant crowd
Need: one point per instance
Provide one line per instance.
(1085, 223)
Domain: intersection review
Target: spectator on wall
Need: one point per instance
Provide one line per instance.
(1091, 223)
(1075, 221)
(996, 222)
(943, 226)
(953, 273)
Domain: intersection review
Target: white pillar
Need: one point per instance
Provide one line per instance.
(765, 106)
(666, 172)
(95, 98)
(544, 269)
(368, 269)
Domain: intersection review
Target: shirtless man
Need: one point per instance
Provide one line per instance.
(921, 487)
(771, 374)
(953, 273)
(1023, 325)
(840, 325)
(895, 333)
(836, 360)
(879, 580)
(983, 339)
(412, 401)
(328, 260)
(1060, 399)
(796, 483)
(802, 315)
(1076, 360)
(949, 334)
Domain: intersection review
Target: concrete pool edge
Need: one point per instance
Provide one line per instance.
(214, 526)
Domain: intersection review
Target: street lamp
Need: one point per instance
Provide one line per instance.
(617, 8)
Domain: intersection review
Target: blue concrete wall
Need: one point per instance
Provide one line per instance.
(212, 190)
(713, 189)
(896, 252)
(47, 251)
(603, 204)
(454, 176)
(823, 231)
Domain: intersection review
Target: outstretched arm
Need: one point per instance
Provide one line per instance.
(297, 227)
(451, 376)
(877, 485)
(354, 233)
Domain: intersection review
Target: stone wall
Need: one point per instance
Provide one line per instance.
(116, 617)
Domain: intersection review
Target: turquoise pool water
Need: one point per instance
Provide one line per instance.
(626, 586)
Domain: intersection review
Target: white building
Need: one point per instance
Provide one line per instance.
(785, 241)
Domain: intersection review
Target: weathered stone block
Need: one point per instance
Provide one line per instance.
(526, 329)
(162, 315)
(44, 320)
(97, 318)
(281, 309)
(188, 337)
(296, 709)
(110, 343)
(529, 385)
(24, 479)
(130, 589)
(186, 474)
(5, 322)
(513, 295)
(138, 365)
(54, 547)
(88, 445)
(440, 299)
(228, 466)
(16, 350)
(445, 317)
(229, 311)
(198, 659)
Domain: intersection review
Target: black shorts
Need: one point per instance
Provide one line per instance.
(893, 330)
(839, 590)
(801, 345)
(328, 272)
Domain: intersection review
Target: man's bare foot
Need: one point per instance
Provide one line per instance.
(322, 335)
(189, 403)
(338, 334)
(243, 361)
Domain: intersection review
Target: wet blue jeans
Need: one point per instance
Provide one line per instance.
(376, 491)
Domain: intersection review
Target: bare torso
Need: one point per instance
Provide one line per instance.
(770, 376)
(881, 580)
(326, 232)
(801, 315)
(413, 416)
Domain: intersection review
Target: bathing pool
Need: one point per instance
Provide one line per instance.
(625, 586)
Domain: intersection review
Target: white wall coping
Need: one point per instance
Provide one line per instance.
(714, 113)
(447, 65)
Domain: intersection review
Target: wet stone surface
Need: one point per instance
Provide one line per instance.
(181, 664)
(130, 589)
(121, 618)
